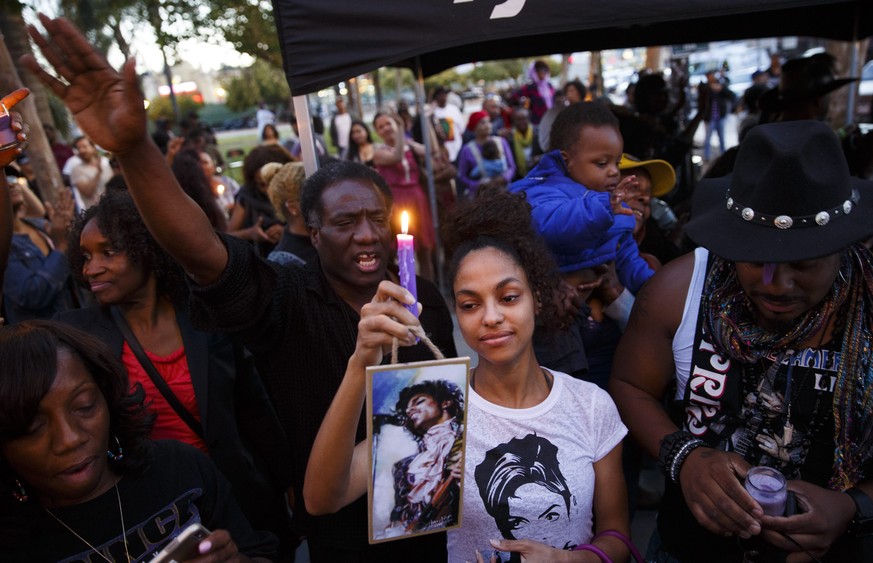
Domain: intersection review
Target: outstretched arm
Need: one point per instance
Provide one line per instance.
(337, 472)
(109, 108)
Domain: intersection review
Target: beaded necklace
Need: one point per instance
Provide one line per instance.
(792, 449)
(729, 318)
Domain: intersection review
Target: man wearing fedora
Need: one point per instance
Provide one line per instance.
(760, 344)
(804, 89)
(804, 92)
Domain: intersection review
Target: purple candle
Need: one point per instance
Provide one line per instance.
(767, 486)
(406, 261)
(8, 137)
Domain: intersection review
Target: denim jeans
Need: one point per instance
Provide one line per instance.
(718, 126)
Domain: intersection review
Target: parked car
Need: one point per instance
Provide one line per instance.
(242, 122)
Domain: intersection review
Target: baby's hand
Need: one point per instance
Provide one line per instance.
(621, 194)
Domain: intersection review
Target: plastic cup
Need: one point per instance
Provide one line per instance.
(768, 486)
(8, 137)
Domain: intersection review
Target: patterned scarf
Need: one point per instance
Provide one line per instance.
(730, 318)
(521, 143)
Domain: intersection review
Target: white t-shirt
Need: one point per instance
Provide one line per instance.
(343, 124)
(511, 453)
(264, 117)
(71, 163)
(86, 174)
(450, 119)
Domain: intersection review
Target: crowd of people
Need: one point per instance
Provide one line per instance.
(179, 349)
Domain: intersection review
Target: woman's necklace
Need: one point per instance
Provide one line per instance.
(123, 529)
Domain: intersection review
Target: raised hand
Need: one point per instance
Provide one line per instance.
(620, 194)
(107, 105)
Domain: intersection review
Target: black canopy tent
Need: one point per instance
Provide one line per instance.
(328, 41)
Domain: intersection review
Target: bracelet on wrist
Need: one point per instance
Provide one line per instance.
(682, 455)
(604, 558)
(674, 450)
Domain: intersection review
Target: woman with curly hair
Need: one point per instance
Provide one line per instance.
(187, 374)
(75, 456)
(503, 282)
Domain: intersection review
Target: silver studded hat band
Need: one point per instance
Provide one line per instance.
(819, 219)
(789, 197)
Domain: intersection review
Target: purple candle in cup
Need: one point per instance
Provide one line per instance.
(406, 261)
(767, 486)
(8, 137)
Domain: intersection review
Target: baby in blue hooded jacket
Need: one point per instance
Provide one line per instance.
(576, 192)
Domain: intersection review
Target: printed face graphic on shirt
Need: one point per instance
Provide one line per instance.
(534, 512)
(524, 490)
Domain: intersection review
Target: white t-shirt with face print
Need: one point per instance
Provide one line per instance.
(533, 468)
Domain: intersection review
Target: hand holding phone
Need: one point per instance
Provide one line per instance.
(184, 546)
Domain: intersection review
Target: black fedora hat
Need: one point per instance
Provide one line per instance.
(790, 197)
(804, 78)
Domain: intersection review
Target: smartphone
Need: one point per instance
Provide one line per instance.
(184, 546)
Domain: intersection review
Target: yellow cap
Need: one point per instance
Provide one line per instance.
(663, 175)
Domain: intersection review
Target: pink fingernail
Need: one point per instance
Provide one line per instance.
(205, 547)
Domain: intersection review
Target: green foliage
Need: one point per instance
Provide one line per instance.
(498, 70)
(554, 67)
(249, 26)
(61, 116)
(261, 81)
(90, 16)
(449, 77)
(161, 107)
(171, 20)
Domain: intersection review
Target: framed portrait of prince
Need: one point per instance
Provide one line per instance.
(416, 425)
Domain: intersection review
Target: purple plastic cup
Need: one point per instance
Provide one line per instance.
(768, 486)
(8, 137)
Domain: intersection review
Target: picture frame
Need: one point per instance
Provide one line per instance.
(416, 428)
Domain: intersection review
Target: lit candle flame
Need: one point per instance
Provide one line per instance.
(404, 222)
(220, 189)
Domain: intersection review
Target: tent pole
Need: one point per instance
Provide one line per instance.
(850, 110)
(428, 164)
(307, 135)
